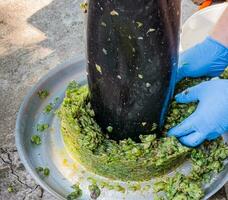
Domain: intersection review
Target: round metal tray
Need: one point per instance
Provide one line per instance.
(64, 171)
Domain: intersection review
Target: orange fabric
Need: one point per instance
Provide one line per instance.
(205, 4)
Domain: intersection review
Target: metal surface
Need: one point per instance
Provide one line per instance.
(64, 171)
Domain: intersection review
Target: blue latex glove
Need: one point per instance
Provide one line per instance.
(208, 58)
(210, 119)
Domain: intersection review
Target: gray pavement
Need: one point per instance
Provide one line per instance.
(35, 36)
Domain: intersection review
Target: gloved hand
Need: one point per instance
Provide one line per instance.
(208, 58)
(210, 119)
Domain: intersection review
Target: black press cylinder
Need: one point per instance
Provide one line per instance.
(132, 51)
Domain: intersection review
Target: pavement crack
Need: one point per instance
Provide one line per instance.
(35, 188)
(4, 161)
(41, 192)
(9, 162)
(5, 157)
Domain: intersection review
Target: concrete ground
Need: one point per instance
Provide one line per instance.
(35, 36)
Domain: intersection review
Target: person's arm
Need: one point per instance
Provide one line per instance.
(220, 31)
(208, 58)
(209, 120)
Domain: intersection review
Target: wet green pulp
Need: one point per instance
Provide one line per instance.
(124, 160)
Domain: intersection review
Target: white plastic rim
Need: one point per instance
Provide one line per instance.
(199, 25)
